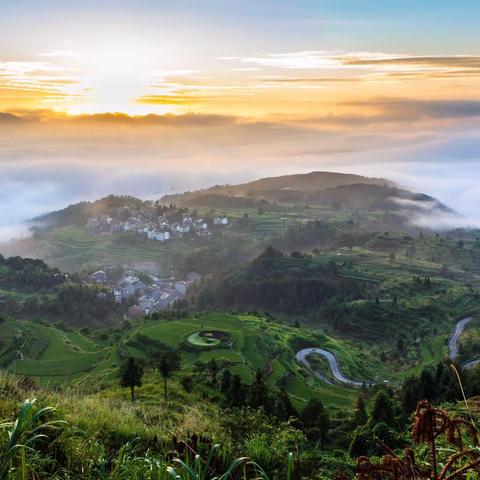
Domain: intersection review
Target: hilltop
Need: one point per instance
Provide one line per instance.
(302, 182)
(336, 191)
(79, 213)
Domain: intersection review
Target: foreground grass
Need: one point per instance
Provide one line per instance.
(100, 435)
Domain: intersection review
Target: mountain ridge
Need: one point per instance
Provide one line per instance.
(334, 190)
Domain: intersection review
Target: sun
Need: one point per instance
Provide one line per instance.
(115, 74)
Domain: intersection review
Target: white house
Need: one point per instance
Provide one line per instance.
(200, 225)
(131, 279)
(150, 232)
(182, 228)
(145, 303)
(139, 286)
(117, 295)
(193, 277)
(167, 300)
(161, 236)
(181, 287)
(126, 289)
(99, 277)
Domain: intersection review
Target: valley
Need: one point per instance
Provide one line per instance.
(373, 295)
(298, 301)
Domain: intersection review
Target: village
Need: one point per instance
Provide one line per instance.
(145, 297)
(139, 287)
(161, 229)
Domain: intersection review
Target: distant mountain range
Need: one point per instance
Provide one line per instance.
(333, 190)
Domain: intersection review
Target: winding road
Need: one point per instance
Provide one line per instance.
(302, 357)
(337, 373)
(453, 343)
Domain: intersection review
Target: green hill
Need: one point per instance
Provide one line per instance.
(59, 355)
(278, 282)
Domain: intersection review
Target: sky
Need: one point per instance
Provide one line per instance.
(145, 97)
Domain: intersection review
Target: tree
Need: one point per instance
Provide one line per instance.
(427, 385)
(410, 394)
(360, 416)
(131, 376)
(165, 372)
(213, 369)
(166, 364)
(382, 410)
(226, 381)
(236, 394)
(258, 396)
(283, 406)
(315, 421)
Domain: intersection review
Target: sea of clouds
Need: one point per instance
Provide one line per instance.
(45, 166)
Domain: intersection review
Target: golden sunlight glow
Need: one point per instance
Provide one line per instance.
(116, 73)
(127, 75)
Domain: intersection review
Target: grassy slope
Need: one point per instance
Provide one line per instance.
(72, 249)
(257, 344)
(64, 355)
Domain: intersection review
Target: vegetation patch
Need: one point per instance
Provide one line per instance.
(209, 338)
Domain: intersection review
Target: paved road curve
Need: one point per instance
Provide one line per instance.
(454, 339)
(337, 373)
(470, 364)
(302, 355)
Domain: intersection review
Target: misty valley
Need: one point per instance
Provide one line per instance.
(313, 311)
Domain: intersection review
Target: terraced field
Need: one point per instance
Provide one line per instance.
(48, 353)
(258, 344)
(72, 249)
(268, 226)
(54, 355)
(255, 344)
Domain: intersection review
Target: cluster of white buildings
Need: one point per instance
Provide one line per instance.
(154, 297)
(162, 230)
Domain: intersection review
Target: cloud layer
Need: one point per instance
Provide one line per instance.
(48, 160)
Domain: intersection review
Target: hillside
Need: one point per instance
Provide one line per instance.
(278, 282)
(262, 209)
(307, 182)
(79, 213)
(56, 354)
(334, 191)
(297, 188)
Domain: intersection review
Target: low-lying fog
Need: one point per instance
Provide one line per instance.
(44, 166)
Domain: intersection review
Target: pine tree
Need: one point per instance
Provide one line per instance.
(283, 406)
(410, 394)
(258, 394)
(213, 369)
(237, 394)
(360, 416)
(226, 381)
(382, 410)
(165, 372)
(131, 376)
(427, 384)
(315, 421)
